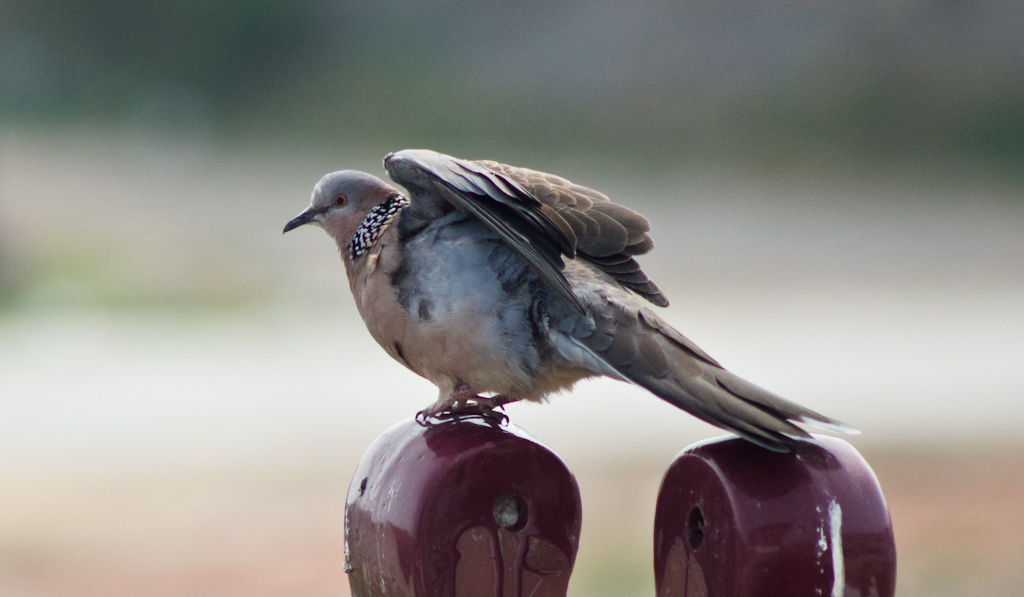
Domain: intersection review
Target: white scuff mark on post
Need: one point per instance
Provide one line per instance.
(835, 515)
(396, 484)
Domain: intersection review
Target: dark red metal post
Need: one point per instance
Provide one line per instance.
(734, 520)
(470, 508)
(462, 508)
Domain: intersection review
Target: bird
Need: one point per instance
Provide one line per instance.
(500, 283)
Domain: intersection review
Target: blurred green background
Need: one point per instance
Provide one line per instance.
(836, 197)
(772, 83)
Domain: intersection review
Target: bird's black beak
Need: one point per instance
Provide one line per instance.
(300, 220)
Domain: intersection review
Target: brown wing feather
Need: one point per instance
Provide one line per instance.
(607, 235)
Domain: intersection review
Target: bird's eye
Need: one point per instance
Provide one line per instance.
(340, 200)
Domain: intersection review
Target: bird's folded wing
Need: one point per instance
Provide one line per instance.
(541, 215)
(608, 235)
(535, 231)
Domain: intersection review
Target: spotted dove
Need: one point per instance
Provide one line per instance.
(500, 283)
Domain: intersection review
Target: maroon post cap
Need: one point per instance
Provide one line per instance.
(735, 520)
(461, 508)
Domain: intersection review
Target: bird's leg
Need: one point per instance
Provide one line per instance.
(499, 400)
(456, 401)
(460, 398)
(485, 406)
(469, 399)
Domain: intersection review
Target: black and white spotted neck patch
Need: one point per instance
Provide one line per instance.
(375, 224)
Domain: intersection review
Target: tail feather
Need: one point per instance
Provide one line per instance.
(707, 399)
(643, 349)
(745, 390)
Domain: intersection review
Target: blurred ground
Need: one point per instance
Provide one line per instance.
(959, 529)
(184, 393)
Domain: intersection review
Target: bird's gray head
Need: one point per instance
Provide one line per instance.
(341, 202)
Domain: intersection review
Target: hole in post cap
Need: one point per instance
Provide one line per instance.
(362, 486)
(695, 527)
(510, 511)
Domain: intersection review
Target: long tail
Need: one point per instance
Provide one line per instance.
(731, 402)
(638, 346)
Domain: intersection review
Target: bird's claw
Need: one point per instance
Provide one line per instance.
(481, 408)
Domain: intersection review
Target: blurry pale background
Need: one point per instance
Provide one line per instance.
(837, 197)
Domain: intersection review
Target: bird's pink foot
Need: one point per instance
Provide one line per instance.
(464, 401)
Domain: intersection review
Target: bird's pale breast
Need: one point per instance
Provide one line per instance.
(456, 306)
